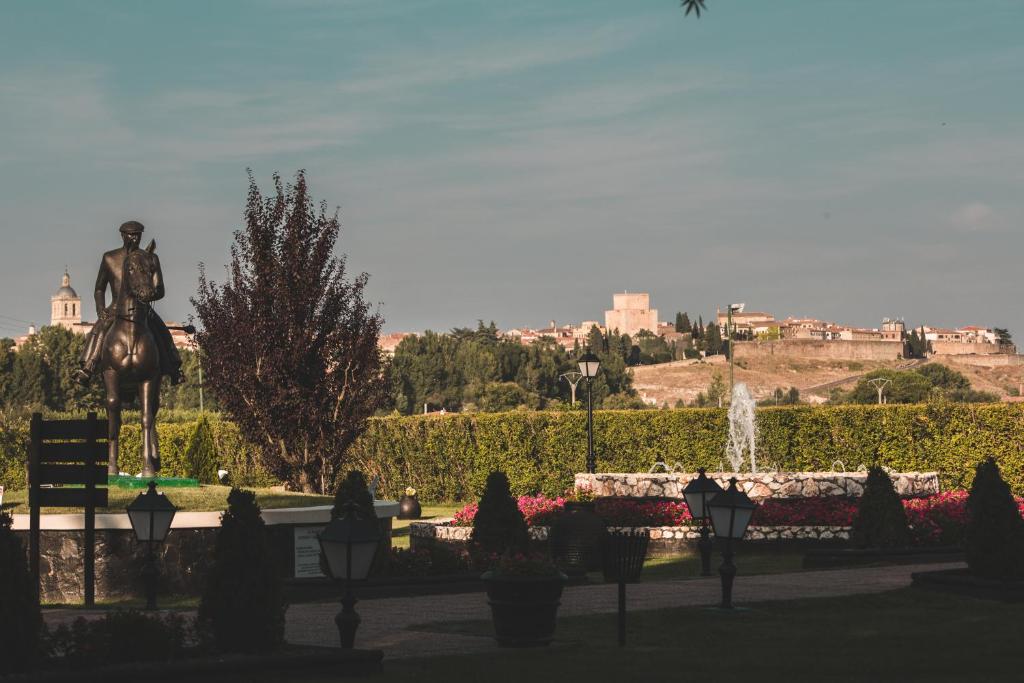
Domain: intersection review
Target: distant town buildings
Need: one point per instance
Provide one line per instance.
(631, 313)
(66, 312)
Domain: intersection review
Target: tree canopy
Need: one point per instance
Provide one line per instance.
(290, 342)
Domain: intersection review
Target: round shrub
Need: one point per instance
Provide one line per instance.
(881, 521)
(243, 604)
(499, 526)
(994, 538)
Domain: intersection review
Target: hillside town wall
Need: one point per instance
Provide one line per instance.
(839, 349)
(950, 348)
(991, 360)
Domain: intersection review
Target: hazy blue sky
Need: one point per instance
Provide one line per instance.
(522, 160)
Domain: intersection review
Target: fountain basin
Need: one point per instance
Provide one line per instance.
(759, 486)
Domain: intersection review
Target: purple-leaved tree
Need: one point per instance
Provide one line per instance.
(290, 344)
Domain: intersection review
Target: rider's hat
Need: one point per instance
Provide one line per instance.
(132, 228)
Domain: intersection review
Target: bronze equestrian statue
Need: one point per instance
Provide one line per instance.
(130, 346)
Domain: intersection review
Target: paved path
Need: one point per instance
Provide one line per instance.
(384, 619)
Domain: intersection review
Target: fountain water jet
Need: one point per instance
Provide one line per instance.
(742, 429)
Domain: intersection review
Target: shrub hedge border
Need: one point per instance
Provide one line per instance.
(449, 457)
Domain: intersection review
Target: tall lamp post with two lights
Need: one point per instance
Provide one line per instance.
(731, 511)
(698, 493)
(349, 544)
(151, 514)
(589, 365)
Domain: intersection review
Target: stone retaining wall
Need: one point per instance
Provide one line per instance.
(665, 540)
(760, 486)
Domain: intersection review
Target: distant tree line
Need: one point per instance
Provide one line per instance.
(474, 369)
(39, 377)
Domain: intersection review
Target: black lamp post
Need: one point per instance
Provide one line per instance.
(624, 554)
(151, 514)
(349, 544)
(589, 364)
(698, 493)
(731, 511)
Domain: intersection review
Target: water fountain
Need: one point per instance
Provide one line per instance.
(742, 442)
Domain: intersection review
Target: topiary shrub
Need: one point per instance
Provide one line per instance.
(353, 489)
(499, 525)
(201, 453)
(881, 521)
(21, 622)
(242, 605)
(994, 537)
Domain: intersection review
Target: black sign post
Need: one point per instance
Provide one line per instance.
(73, 454)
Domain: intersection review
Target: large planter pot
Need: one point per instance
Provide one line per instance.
(575, 539)
(524, 608)
(409, 508)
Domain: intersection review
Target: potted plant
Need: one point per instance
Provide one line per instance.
(408, 505)
(575, 536)
(524, 592)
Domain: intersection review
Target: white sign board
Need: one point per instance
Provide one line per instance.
(307, 552)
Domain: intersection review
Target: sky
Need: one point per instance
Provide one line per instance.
(520, 162)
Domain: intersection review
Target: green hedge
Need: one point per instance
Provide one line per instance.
(233, 453)
(449, 457)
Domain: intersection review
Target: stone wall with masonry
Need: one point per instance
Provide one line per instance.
(760, 486)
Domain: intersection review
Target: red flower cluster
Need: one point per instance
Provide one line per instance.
(939, 519)
(537, 510)
(819, 511)
(625, 512)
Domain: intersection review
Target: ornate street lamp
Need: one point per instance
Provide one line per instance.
(731, 511)
(349, 544)
(151, 514)
(698, 493)
(589, 365)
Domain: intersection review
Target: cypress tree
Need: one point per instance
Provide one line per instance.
(21, 622)
(994, 537)
(201, 454)
(881, 521)
(243, 602)
(499, 525)
(353, 489)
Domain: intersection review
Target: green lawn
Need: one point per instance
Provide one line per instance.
(906, 635)
(193, 499)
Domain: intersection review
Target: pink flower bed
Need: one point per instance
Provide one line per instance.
(934, 520)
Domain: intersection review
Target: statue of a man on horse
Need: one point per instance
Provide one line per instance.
(130, 347)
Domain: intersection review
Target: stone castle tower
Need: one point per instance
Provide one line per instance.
(66, 305)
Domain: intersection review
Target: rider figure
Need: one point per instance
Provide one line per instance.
(112, 274)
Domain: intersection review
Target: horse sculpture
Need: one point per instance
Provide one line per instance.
(130, 359)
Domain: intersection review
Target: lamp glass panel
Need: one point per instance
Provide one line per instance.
(589, 368)
(742, 521)
(720, 520)
(337, 556)
(162, 524)
(696, 503)
(140, 523)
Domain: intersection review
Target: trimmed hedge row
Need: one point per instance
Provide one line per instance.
(231, 452)
(449, 457)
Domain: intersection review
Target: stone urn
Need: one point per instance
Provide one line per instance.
(524, 609)
(409, 507)
(575, 539)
